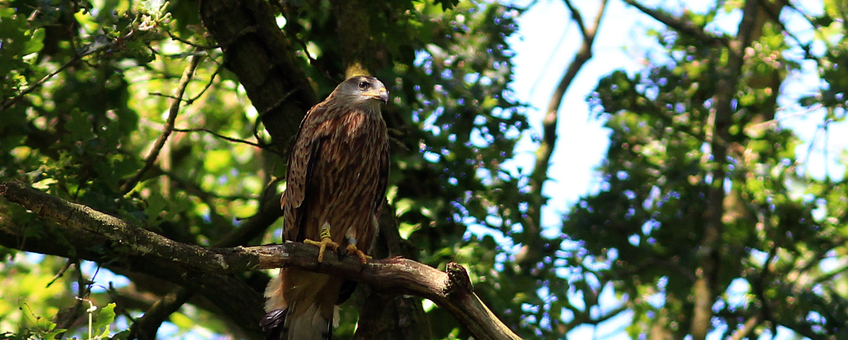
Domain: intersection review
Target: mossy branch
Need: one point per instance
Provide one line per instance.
(450, 289)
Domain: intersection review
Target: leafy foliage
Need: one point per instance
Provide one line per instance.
(111, 70)
(649, 219)
(89, 87)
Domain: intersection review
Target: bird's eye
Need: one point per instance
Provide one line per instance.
(364, 86)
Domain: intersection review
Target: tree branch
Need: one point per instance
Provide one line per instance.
(355, 37)
(218, 135)
(451, 290)
(148, 324)
(8, 103)
(718, 136)
(549, 134)
(133, 240)
(683, 26)
(259, 53)
(231, 297)
(743, 332)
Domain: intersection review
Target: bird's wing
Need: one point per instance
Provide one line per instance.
(382, 182)
(302, 158)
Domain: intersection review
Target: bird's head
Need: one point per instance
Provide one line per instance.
(363, 91)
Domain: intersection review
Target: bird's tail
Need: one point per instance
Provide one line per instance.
(272, 324)
(309, 311)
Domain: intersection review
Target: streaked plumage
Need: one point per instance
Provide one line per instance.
(336, 177)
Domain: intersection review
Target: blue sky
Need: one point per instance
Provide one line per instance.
(546, 43)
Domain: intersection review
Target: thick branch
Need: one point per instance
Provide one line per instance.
(231, 297)
(718, 132)
(259, 53)
(451, 290)
(355, 37)
(131, 239)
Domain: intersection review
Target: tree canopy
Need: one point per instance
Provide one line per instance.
(143, 148)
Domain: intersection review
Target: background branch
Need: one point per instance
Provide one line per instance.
(148, 324)
(218, 135)
(549, 134)
(169, 125)
(8, 103)
(706, 287)
(685, 26)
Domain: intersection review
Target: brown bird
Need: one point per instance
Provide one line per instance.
(335, 187)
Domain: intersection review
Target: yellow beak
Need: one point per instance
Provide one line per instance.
(381, 95)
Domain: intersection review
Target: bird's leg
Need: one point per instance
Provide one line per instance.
(351, 246)
(326, 240)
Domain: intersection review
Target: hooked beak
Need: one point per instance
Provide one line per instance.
(381, 95)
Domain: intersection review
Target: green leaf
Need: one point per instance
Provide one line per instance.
(183, 322)
(103, 319)
(156, 204)
(35, 42)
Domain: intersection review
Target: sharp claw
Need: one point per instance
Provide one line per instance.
(351, 248)
(322, 246)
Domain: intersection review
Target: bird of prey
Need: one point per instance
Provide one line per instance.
(335, 187)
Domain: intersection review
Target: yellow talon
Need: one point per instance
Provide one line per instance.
(322, 245)
(351, 248)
